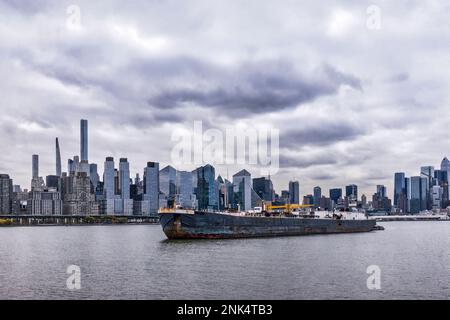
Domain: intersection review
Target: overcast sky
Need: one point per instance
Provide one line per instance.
(353, 103)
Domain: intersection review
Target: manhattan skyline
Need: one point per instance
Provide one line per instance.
(344, 117)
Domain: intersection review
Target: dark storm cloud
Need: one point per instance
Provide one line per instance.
(320, 134)
(287, 161)
(323, 176)
(255, 88)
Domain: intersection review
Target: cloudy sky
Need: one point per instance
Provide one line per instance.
(355, 99)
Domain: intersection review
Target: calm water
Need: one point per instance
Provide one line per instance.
(136, 262)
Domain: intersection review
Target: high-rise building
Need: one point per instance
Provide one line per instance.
(167, 184)
(242, 185)
(427, 172)
(124, 178)
(58, 159)
(436, 197)
(317, 195)
(184, 190)
(35, 166)
(399, 187)
(151, 187)
(205, 191)
(445, 169)
(380, 201)
(126, 203)
(419, 190)
(53, 182)
(77, 196)
(6, 186)
(108, 178)
(84, 140)
(263, 188)
(294, 192)
(351, 192)
(37, 183)
(93, 174)
(335, 194)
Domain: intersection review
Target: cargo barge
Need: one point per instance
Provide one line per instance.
(181, 224)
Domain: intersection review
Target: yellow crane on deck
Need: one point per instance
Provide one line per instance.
(287, 208)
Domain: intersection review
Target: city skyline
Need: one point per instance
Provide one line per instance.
(355, 116)
(84, 142)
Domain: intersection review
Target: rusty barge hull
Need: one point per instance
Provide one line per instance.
(206, 225)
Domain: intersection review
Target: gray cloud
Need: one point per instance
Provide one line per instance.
(348, 100)
(262, 87)
(320, 133)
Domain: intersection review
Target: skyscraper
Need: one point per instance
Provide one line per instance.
(58, 159)
(151, 187)
(418, 194)
(35, 166)
(206, 187)
(93, 174)
(242, 185)
(84, 140)
(167, 183)
(445, 168)
(36, 181)
(126, 203)
(351, 192)
(263, 188)
(108, 178)
(294, 192)
(399, 187)
(335, 194)
(427, 173)
(317, 195)
(184, 190)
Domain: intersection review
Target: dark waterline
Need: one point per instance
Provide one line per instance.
(137, 262)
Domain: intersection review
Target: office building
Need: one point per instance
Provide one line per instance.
(151, 187)
(263, 188)
(242, 187)
(294, 192)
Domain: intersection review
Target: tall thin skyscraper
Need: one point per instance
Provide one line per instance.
(58, 159)
(84, 139)
(124, 178)
(35, 166)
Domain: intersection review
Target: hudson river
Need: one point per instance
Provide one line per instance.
(136, 262)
